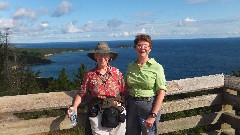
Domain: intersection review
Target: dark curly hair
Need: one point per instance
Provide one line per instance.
(143, 37)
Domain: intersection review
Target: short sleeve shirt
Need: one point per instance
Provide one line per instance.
(111, 84)
(145, 81)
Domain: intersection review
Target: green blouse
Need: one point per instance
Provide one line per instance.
(145, 81)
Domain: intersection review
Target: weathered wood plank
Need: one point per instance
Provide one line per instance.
(191, 103)
(195, 84)
(40, 125)
(36, 102)
(232, 82)
(57, 100)
(231, 119)
(188, 122)
(231, 100)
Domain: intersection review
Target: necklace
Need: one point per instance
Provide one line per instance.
(104, 78)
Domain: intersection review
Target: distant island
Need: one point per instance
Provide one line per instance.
(124, 46)
(39, 56)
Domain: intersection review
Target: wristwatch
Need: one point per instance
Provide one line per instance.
(154, 115)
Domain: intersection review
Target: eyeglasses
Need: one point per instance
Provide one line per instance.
(142, 46)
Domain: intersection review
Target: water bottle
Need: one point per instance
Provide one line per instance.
(73, 117)
(151, 129)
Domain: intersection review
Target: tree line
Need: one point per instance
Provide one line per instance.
(17, 77)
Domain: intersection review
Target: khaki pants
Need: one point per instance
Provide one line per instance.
(97, 128)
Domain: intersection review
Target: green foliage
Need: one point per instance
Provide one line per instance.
(1, 66)
(77, 79)
(62, 83)
(28, 81)
(41, 52)
(236, 73)
(32, 58)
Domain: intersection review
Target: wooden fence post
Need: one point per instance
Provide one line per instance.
(226, 128)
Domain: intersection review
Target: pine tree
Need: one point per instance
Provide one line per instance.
(77, 78)
(15, 77)
(1, 66)
(28, 81)
(62, 83)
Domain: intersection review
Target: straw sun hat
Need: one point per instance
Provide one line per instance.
(102, 47)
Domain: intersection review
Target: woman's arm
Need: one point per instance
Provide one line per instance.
(76, 103)
(159, 101)
(156, 107)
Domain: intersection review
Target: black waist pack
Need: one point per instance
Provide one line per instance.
(110, 117)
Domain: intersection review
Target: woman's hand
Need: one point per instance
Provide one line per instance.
(68, 111)
(149, 122)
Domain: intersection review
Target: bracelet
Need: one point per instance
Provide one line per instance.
(154, 115)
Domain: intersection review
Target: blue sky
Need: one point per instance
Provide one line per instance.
(103, 20)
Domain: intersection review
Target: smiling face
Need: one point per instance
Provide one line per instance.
(102, 59)
(143, 49)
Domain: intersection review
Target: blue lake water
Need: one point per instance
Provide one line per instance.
(181, 58)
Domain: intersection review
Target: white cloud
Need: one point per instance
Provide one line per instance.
(114, 23)
(125, 34)
(6, 23)
(184, 22)
(143, 30)
(62, 9)
(70, 28)
(189, 20)
(44, 24)
(113, 35)
(4, 5)
(24, 13)
(88, 26)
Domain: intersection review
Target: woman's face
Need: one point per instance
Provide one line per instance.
(143, 49)
(102, 59)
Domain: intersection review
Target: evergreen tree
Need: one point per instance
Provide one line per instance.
(15, 77)
(28, 81)
(236, 73)
(77, 78)
(63, 80)
(1, 65)
(62, 83)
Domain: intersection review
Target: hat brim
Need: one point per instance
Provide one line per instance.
(114, 55)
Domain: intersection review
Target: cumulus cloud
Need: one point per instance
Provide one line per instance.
(4, 5)
(125, 34)
(70, 28)
(23, 13)
(114, 23)
(88, 26)
(6, 23)
(184, 22)
(189, 20)
(143, 30)
(62, 9)
(44, 24)
(113, 35)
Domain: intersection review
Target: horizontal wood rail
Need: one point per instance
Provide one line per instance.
(59, 100)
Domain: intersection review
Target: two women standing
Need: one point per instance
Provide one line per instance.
(144, 91)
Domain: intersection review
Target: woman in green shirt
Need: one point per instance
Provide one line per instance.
(146, 85)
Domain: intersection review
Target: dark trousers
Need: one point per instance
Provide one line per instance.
(137, 109)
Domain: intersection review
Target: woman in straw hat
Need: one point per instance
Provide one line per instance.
(105, 85)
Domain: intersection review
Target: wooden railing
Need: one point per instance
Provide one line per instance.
(225, 95)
